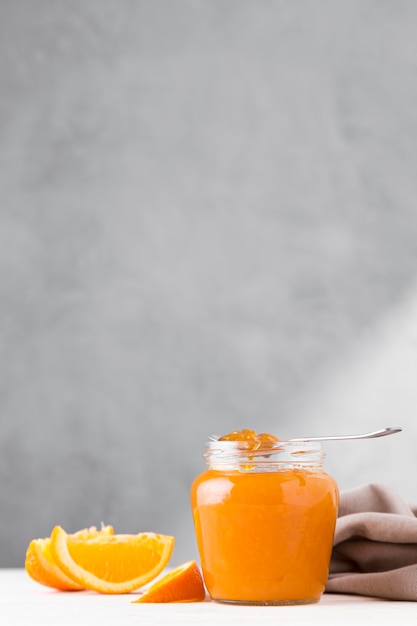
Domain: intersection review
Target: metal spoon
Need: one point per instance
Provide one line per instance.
(376, 433)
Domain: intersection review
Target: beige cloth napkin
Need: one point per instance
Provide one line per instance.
(375, 545)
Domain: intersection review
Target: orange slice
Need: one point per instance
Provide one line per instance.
(41, 566)
(182, 584)
(113, 563)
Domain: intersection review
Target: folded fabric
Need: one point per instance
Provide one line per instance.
(375, 545)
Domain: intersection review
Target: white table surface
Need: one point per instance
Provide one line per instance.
(22, 601)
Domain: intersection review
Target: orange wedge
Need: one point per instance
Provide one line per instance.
(182, 584)
(112, 563)
(41, 566)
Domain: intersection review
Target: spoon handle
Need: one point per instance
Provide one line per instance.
(377, 433)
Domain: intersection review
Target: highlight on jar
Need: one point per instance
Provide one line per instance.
(264, 514)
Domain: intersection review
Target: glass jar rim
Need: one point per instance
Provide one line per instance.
(280, 454)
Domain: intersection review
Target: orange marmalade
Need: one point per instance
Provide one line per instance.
(264, 514)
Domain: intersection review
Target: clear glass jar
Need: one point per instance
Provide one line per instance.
(264, 522)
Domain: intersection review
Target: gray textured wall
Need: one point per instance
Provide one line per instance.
(207, 220)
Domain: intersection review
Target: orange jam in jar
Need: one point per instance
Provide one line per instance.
(264, 514)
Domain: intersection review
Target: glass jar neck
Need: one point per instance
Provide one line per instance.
(281, 456)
